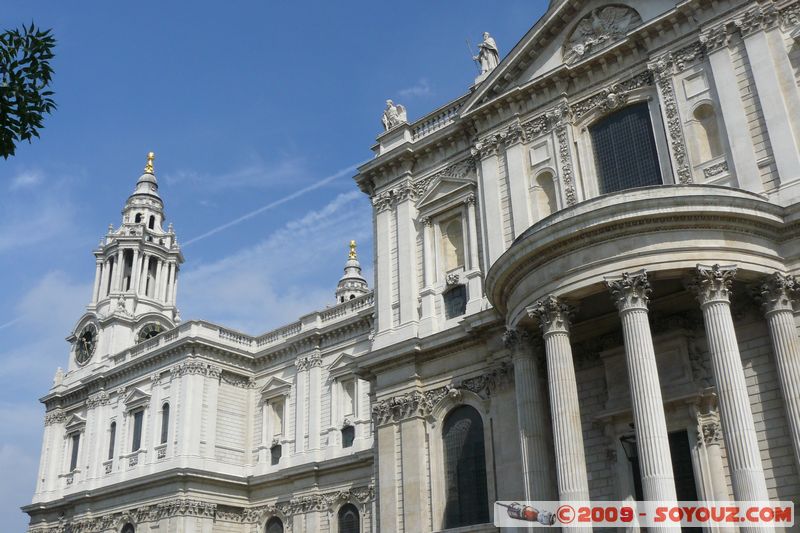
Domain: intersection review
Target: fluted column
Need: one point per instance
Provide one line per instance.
(552, 315)
(135, 269)
(779, 294)
(713, 288)
(119, 266)
(630, 294)
(98, 273)
(531, 417)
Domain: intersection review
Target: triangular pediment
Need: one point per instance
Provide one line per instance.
(453, 180)
(135, 398)
(275, 386)
(74, 422)
(342, 365)
(568, 34)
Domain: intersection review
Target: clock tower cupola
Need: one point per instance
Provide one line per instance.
(136, 278)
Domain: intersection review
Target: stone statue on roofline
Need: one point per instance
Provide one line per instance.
(393, 115)
(488, 55)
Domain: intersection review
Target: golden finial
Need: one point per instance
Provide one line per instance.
(148, 168)
(352, 250)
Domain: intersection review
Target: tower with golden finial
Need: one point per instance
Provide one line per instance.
(352, 285)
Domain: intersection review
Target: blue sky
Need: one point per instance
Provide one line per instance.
(245, 103)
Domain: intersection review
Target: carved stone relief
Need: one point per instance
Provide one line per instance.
(599, 29)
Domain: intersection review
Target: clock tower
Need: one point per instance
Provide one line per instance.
(136, 280)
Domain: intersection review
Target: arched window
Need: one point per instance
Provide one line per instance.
(452, 244)
(706, 129)
(274, 525)
(164, 423)
(152, 223)
(349, 521)
(348, 436)
(465, 469)
(138, 218)
(128, 528)
(544, 194)
(625, 150)
(112, 437)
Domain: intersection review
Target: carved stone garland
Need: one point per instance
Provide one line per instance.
(662, 69)
(417, 403)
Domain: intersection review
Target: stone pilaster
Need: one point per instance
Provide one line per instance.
(489, 189)
(779, 294)
(713, 289)
(553, 318)
(534, 427)
(630, 294)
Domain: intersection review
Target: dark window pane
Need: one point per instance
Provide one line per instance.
(465, 469)
(165, 423)
(455, 301)
(681, 453)
(348, 519)
(348, 436)
(138, 418)
(112, 437)
(128, 529)
(274, 525)
(275, 453)
(625, 150)
(76, 443)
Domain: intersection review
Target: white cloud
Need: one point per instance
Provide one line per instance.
(31, 217)
(27, 178)
(290, 272)
(419, 89)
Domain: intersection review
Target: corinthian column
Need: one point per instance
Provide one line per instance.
(713, 288)
(779, 293)
(531, 416)
(553, 318)
(630, 294)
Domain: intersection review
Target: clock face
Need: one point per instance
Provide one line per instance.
(149, 331)
(86, 344)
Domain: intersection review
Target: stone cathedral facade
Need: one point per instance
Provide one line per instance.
(584, 289)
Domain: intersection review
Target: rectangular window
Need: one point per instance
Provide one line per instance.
(625, 150)
(76, 443)
(138, 419)
(111, 438)
(165, 423)
(277, 417)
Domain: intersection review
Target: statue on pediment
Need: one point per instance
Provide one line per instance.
(599, 29)
(393, 115)
(488, 55)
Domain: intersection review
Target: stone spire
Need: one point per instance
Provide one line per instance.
(352, 284)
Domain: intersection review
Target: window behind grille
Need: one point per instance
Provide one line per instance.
(465, 468)
(455, 301)
(274, 525)
(625, 150)
(349, 519)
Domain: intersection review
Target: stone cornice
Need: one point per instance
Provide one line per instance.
(661, 208)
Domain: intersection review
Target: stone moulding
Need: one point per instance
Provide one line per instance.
(418, 403)
(187, 507)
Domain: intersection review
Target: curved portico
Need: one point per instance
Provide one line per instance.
(624, 261)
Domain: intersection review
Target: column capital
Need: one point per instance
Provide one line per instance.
(709, 428)
(552, 313)
(713, 283)
(630, 291)
(778, 292)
